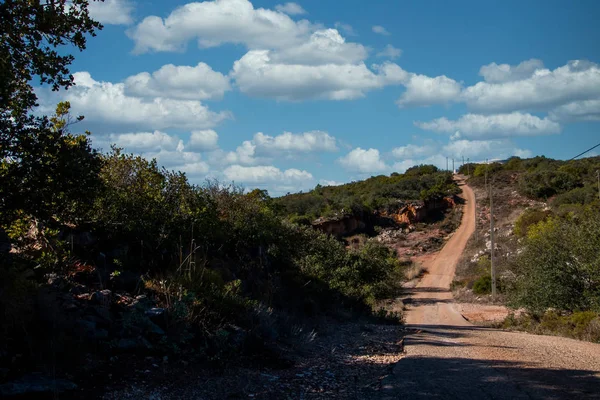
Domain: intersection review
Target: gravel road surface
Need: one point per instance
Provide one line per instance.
(449, 358)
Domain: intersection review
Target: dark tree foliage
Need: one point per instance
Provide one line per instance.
(32, 32)
(44, 169)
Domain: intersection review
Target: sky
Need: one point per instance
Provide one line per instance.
(287, 95)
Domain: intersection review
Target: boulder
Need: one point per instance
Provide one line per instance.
(126, 281)
(158, 316)
(102, 298)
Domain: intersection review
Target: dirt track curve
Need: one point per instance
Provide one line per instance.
(449, 358)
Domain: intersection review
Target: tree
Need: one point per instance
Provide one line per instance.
(48, 173)
(32, 33)
(44, 169)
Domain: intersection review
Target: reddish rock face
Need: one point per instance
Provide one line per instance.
(407, 214)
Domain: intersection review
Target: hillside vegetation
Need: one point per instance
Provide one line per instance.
(424, 182)
(547, 257)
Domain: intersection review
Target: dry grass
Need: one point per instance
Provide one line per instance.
(415, 271)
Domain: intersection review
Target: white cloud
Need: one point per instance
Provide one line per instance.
(290, 9)
(478, 150)
(423, 90)
(326, 182)
(587, 110)
(346, 28)
(257, 75)
(363, 161)
(263, 148)
(380, 30)
(195, 170)
(413, 151)
(114, 12)
(180, 82)
(495, 73)
(216, 22)
(474, 126)
(313, 141)
(323, 47)
(270, 177)
(203, 140)
(577, 81)
(141, 142)
(108, 105)
(438, 160)
(390, 52)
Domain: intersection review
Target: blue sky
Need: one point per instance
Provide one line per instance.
(284, 96)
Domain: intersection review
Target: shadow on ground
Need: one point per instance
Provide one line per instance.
(420, 377)
(462, 378)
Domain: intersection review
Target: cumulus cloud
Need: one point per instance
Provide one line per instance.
(107, 104)
(413, 151)
(478, 150)
(496, 73)
(181, 82)
(213, 23)
(545, 89)
(326, 182)
(390, 52)
(139, 142)
(114, 12)
(313, 141)
(257, 75)
(264, 174)
(346, 28)
(476, 126)
(204, 140)
(587, 110)
(380, 30)
(363, 161)
(290, 9)
(325, 46)
(423, 90)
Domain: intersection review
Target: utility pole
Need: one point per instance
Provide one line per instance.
(468, 167)
(598, 173)
(453, 165)
(446, 164)
(492, 242)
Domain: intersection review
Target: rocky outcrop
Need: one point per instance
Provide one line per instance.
(340, 226)
(403, 215)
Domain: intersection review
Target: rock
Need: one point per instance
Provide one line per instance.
(126, 281)
(142, 303)
(103, 313)
(90, 330)
(152, 328)
(35, 384)
(139, 343)
(158, 316)
(102, 298)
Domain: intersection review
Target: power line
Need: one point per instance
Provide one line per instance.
(580, 154)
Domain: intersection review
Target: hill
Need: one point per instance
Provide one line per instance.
(547, 225)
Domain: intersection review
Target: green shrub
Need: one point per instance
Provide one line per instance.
(483, 285)
(530, 217)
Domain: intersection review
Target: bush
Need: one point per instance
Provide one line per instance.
(529, 218)
(558, 267)
(578, 325)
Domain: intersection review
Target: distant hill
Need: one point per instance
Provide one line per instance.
(420, 183)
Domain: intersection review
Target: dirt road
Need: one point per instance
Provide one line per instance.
(449, 358)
